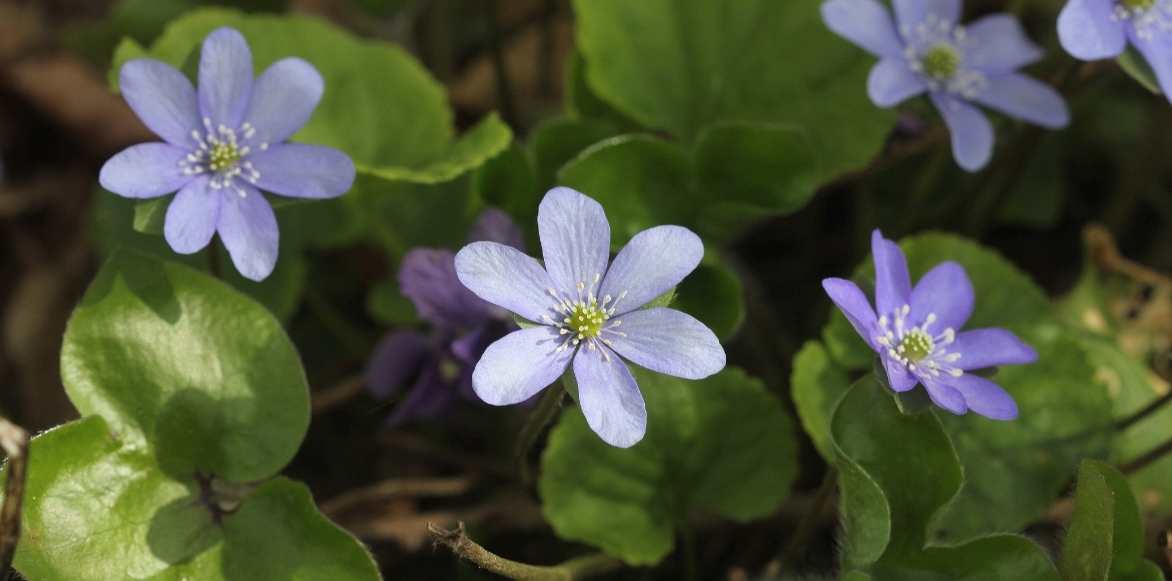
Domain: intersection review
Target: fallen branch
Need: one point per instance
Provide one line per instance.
(14, 442)
(458, 542)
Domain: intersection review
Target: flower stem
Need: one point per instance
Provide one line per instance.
(545, 412)
(14, 442)
(580, 568)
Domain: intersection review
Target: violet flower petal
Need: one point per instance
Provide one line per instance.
(892, 82)
(946, 396)
(992, 347)
(910, 13)
(983, 396)
(610, 398)
(998, 44)
(493, 225)
(1089, 31)
(899, 379)
(519, 365)
(946, 292)
(395, 360)
(430, 397)
(146, 170)
(505, 277)
(225, 77)
(849, 299)
(162, 98)
(1026, 98)
(192, 217)
(303, 171)
(668, 341)
(866, 23)
(893, 284)
(248, 229)
(1157, 49)
(283, 99)
(575, 239)
(972, 134)
(428, 277)
(654, 261)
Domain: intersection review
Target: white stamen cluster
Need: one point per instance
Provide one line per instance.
(1148, 17)
(582, 318)
(222, 152)
(915, 347)
(938, 41)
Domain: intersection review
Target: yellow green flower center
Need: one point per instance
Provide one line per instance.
(587, 319)
(916, 345)
(1138, 5)
(224, 156)
(941, 61)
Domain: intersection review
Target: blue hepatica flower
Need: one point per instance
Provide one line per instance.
(917, 337)
(1099, 29)
(438, 366)
(957, 66)
(223, 144)
(588, 314)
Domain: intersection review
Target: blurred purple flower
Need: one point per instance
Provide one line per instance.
(224, 144)
(438, 365)
(587, 318)
(1099, 29)
(930, 52)
(912, 352)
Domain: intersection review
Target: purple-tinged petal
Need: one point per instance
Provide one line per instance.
(283, 99)
(610, 398)
(1025, 98)
(911, 13)
(493, 225)
(163, 99)
(1157, 49)
(519, 365)
(654, 261)
(430, 397)
(972, 134)
(505, 277)
(248, 229)
(981, 348)
(667, 341)
(892, 82)
(225, 77)
(899, 379)
(428, 277)
(471, 345)
(945, 291)
(983, 396)
(946, 397)
(865, 23)
(575, 239)
(893, 284)
(192, 217)
(1089, 30)
(303, 171)
(998, 44)
(395, 361)
(849, 299)
(146, 170)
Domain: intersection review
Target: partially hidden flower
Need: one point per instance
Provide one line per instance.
(1100, 29)
(916, 333)
(222, 145)
(587, 314)
(436, 367)
(926, 50)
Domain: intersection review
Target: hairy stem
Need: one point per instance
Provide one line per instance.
(458, 542)
(545, 412)
(14, 441)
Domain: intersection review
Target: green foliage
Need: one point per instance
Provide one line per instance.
(1134, 64)
(1105, 539)
(817, 383)
(722, 445)
(192, 398)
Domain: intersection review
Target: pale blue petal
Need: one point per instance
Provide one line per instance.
(972, 134)
(667, 341)
(505, 277)
(654, 261)
(1025, 98)
(283, 99)
(946, 292)
(248, 229)
(1157, 49)
(865, 23)
(983, 396)
(892, 82)
(575, 239)
(981, 348)
(163, 99)
(1089, 31)
(610, 398)
(998, 44)
(303, 171)
(146, 170)
(893, 284)
(911, 13)
(946, 397)
(225, 77)
(899, 379)
(192, 217)
(395, 361)
(520, 364)
(849, 299)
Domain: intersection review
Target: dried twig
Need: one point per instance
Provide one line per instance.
(458, 542)
(396, 487)
(338, 394)
(14, 442)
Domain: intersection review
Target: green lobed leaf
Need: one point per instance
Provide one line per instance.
(817, 383)
(721, 444)
(766, 62)
(509, 182)
(713, 294)
(1089, 546)
(992, 558)
(559, 140)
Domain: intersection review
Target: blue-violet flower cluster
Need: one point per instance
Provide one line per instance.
(1099, 29)
(926, 50)
(916, 333)
(222, 145)
(588, 314)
